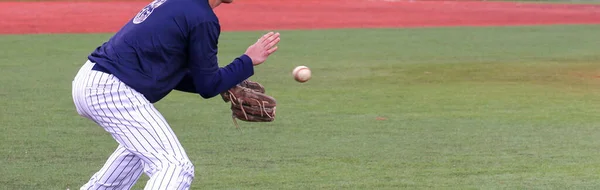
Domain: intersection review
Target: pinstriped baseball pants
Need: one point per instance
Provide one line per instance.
(146, 141)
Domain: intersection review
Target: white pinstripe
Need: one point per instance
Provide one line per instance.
(146, 141)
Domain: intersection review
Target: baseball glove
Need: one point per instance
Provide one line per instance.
(250, 103)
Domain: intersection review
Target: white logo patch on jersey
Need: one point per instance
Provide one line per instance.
(147, 10)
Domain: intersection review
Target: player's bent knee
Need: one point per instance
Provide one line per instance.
(185, 168)
(174, 175)
(188, 168)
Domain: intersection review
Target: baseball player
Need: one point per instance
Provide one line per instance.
(169, 45)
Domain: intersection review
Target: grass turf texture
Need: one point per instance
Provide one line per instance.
(436, 108)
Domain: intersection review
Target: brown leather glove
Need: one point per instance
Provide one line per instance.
(250, 103)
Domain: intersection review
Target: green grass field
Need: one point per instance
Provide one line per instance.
(435, 108)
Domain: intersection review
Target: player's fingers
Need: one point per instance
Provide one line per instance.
(265, 37)
(272, 50)
(271, 38)
(262, 38)
(273, 43)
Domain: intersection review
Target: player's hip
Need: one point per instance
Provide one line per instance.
(94, 91)
(89, 79)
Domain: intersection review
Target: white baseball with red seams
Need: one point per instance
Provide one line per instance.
(301, 73)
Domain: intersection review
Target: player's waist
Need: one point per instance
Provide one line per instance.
(142, 86)
(98, 67)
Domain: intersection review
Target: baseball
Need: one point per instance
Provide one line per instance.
(301, 73)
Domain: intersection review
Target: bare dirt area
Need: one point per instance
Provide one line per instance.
(109, 16)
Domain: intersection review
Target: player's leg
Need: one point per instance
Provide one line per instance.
(121, 171)
(136, 125)
(169, 166)
(144, 132)
(123, 168)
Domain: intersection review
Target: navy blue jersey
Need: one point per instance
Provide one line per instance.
(171, 45)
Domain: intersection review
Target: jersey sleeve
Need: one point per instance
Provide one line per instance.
(208, 78)
(186, 84)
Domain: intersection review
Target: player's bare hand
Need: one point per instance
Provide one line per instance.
(263, 48)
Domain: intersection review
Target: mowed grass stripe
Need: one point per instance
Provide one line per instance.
(436, 108)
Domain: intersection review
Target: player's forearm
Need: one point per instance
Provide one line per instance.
(210, 85)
